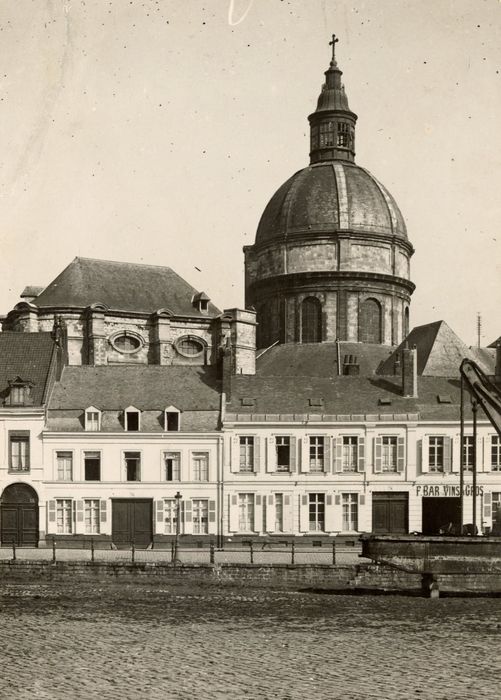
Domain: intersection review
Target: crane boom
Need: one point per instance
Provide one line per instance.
(484, 391)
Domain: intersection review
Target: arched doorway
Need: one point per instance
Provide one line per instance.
(311, 320)
(369, 322)
(19, 516)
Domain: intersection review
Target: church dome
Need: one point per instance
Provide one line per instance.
(330, 197)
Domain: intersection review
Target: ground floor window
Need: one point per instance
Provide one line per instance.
(64, 516)
(170, 511)
(91, 516)
(279, 512)
(316, 507)
(496, 506)
(200, 516)
(246, 512)
(350, 511)
(496, 453)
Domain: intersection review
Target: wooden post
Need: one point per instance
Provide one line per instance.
(92, 549)
(251, 549)
(13, 549)
(212, 557)
(333, 552)
(53, 551)
(293, 547)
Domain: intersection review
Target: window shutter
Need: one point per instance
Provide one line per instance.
(52, 512)
(361, 454)
(80, 511)
(456, 454)
(327, 454)
(287, 513)
(188, 520)
(378, 449)
(304, 522)
(337, 500)
(487, 506)
(233, 509)
(235, 454)
(103, 514)
(400, 454)
(257, 454)
(447, 454)
(480, 454)
(258, 513)
(271, 455)
(338, 514)
(487, 453)
(28, 465)
(305, 454)
(329, 514)
(270, 513)
(425, 454)
(361, 500)
(160, 512)
(338, 456)
(212, 518)
(293, 454)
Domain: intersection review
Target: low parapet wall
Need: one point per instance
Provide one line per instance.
(356, 578)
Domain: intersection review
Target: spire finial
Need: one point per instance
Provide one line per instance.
(333, 44)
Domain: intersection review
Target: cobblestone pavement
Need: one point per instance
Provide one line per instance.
(344, 555)
(120, 642)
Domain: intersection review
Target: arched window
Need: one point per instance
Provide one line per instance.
(369, 322)
(311, 320)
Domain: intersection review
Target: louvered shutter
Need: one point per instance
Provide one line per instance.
(456, 454)
(304, 517)
(258, 513)
(338, 514)
(271, 455)
(329, 514)
(103, 511)
(188, 517)
(327, 454)
(270, 513)
(233, 512)
(425, 454)
(287, 513)
(361, 454)
(400, 454)
(447, 454)
(257, 454)
(159, 528)
(79, 523)
(338, 454)
(487, 453)
(293, 454)
(487, 506)
(378, 455)
(212, 518)
(235, 454)
(51, 519)
(305, 454)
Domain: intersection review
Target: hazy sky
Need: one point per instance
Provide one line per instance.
(157, 130)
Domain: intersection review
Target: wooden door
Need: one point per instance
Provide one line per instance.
(19, 516)
(390, 513)
(132, 521)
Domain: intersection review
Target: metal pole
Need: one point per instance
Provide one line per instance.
(13, 549)
(133, 551)
(178, 525)
(53, 551)
(251, 549)
(461, 456)
(474, 408)
(333, 552)
(292, 552)
(92, 549)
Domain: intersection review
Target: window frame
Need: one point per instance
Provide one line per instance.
(196, 454)
(389, 459)
(350, 512)
(316, 506)
(132, 410)
(87, 426)
(467, 450)
(67, 524)
(246, 461)
(200, 522)
(21, 437)
(246, 504)
(495, 451)
(283, 468)
(84, 460)
(171, 411)
(58, 454)
(316, 454)
(436, 466)
(165, 457)
(96, 530)
(140, 460)
(350, 466)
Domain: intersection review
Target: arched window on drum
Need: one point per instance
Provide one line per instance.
(369, 322)
(311, 320)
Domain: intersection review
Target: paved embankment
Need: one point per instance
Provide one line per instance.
(122, 642)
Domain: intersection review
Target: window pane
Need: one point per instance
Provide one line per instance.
(65, 466)
(91, 516)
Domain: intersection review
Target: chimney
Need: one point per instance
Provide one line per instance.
(409, 372)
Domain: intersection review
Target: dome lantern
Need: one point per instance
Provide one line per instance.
(332, 124)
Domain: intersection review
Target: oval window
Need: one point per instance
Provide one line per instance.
(126, 342)
(189, 346)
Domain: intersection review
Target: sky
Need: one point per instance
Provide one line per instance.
(156, 131)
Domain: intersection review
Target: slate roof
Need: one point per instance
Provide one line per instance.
(319, 359)
(122, 287)
(146, 387)
(29, 356)
(347, 396)
(439, 352)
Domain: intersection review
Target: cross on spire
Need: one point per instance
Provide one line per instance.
(333, 44)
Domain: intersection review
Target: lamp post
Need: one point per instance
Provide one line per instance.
(175, 559)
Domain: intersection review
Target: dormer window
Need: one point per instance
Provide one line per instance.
(132, 419)
(172, 419)
(92, 418)
(19, 392)
(201, 302)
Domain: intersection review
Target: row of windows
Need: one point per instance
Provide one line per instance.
(198, 510)
(132, 419)
(389, 453)
(132, 466)
(316, 505)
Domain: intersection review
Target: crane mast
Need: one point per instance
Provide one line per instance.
(484, 391)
